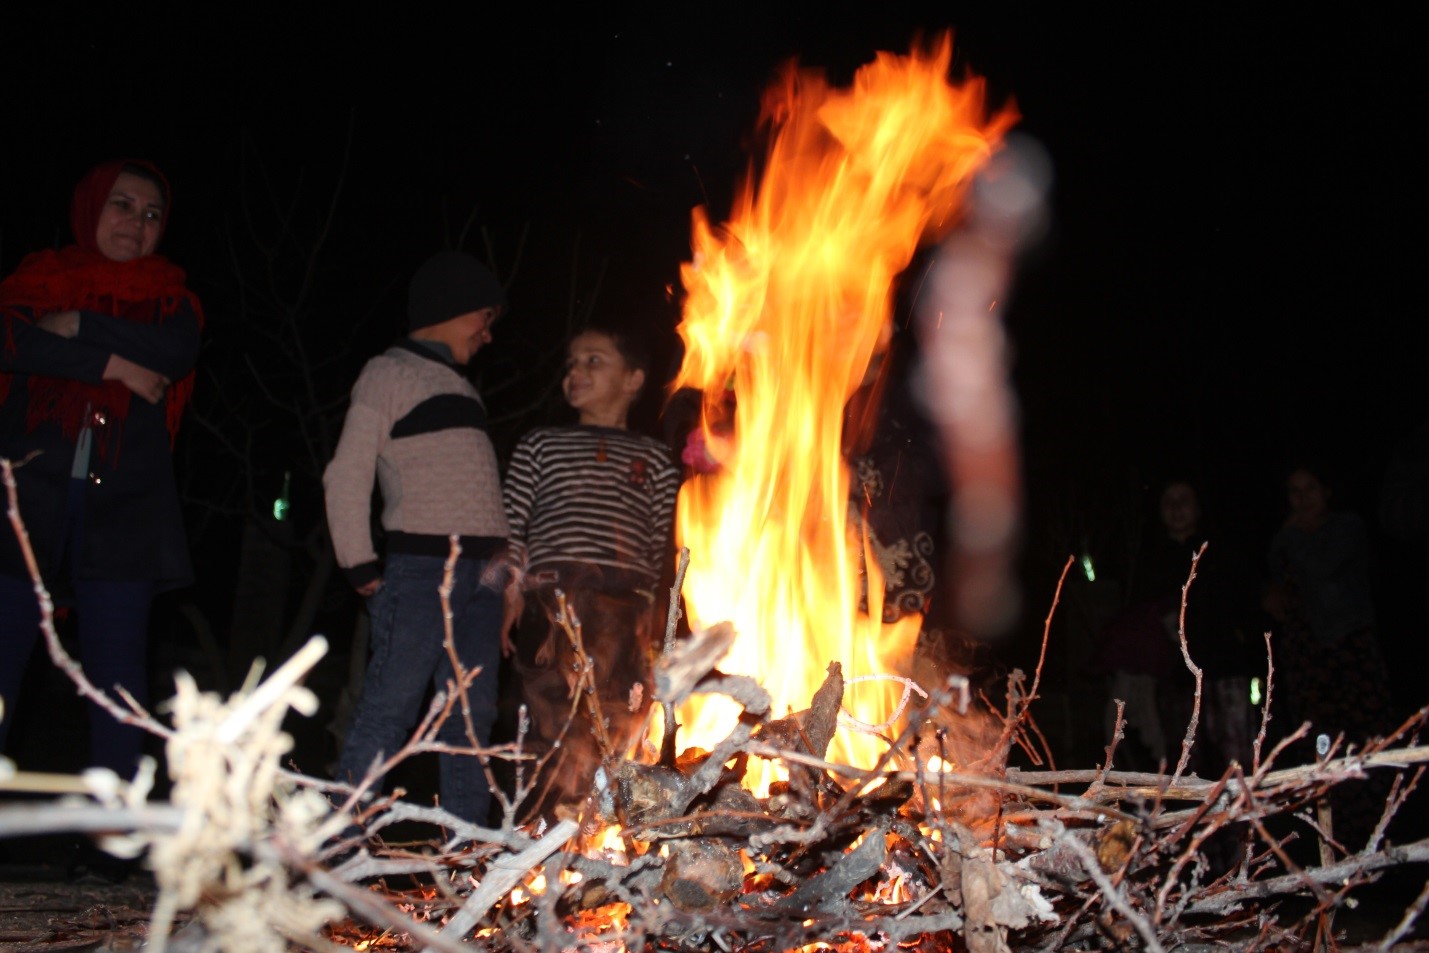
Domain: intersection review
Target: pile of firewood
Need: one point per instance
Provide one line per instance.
(941, 845)
(985, 858)
(974, 855)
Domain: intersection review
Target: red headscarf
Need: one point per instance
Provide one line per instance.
(147, 290)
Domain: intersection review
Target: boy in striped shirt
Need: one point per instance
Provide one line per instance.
(591, 511)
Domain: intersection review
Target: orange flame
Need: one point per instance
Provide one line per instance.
(786, 307)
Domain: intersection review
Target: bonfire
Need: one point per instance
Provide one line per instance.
(815, 778)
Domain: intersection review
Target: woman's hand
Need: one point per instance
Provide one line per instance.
(150, 385)
(63, 323)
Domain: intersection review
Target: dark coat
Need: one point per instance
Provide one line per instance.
(132, 526)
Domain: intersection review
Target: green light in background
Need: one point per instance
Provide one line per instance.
(282, 504)
(1255, 695)
(1088, 568)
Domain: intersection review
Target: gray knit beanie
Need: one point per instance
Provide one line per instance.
(448, 284)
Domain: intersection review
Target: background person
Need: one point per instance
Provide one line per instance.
(97, 346)
(1140, 650)
(1220, 615)
(1327, 655)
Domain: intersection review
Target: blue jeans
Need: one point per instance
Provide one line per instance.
(408, 657)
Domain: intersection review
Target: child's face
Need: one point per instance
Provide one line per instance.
(467, 333)
(598, 382)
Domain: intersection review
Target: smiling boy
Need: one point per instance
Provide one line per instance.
(591, 509)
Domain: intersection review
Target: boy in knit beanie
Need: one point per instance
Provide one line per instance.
(418, 427)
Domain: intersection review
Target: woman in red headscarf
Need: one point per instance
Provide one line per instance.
(97, 346)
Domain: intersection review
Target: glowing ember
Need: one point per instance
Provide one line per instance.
(787, 306)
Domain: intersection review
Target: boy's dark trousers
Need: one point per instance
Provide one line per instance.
(615, 632)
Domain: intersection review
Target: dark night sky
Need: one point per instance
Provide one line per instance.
(1227, 278)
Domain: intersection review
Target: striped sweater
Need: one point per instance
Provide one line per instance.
(591, 495)
(418, 427)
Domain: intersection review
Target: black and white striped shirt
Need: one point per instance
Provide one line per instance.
(594, 495)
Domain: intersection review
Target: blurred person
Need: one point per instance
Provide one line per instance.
(1327, 655)
(1219, 610)
(898, 492)
(1134, 656)
(97, 347)
(1219, 625)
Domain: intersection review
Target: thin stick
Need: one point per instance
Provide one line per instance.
(1414, 911)
(667, 742)
(1190, 738)
(1265, 708)
(502, 875)
(462, 680)
(1118, 732)
(1011, 724)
